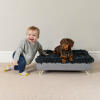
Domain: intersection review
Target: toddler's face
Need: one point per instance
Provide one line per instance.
(32, 35)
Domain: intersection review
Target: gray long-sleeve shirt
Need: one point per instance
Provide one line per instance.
(28, 50)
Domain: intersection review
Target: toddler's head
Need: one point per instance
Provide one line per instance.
(32, 34)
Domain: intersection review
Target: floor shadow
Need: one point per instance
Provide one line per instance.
(63, 72)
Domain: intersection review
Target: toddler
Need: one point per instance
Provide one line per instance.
(26, 51)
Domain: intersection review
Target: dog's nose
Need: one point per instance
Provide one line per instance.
(66, 48)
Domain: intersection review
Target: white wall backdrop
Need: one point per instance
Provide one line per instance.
(76, 19)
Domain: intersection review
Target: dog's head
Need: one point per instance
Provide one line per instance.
(66, 43)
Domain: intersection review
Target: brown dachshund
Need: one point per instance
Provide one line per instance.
(64, 49)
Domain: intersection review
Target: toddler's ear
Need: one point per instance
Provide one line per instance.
(38, 37)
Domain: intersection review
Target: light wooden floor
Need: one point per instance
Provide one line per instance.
(51, 85)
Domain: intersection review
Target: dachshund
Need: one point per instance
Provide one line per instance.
(64, 49)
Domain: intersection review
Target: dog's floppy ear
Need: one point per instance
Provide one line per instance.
(71, 42)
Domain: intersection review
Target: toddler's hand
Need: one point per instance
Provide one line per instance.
(14, 62)
(46, 54)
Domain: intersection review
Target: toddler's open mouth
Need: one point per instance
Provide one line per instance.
(31, 40)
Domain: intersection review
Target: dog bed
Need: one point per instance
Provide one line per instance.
(82, 61)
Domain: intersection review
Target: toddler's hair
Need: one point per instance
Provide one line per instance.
(34, 28)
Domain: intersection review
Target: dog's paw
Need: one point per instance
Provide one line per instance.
(71, 59)
(63, 61)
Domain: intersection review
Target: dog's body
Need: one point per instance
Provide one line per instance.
(64, 49)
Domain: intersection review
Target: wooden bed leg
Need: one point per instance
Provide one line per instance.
(41, 72)
(87, 72)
